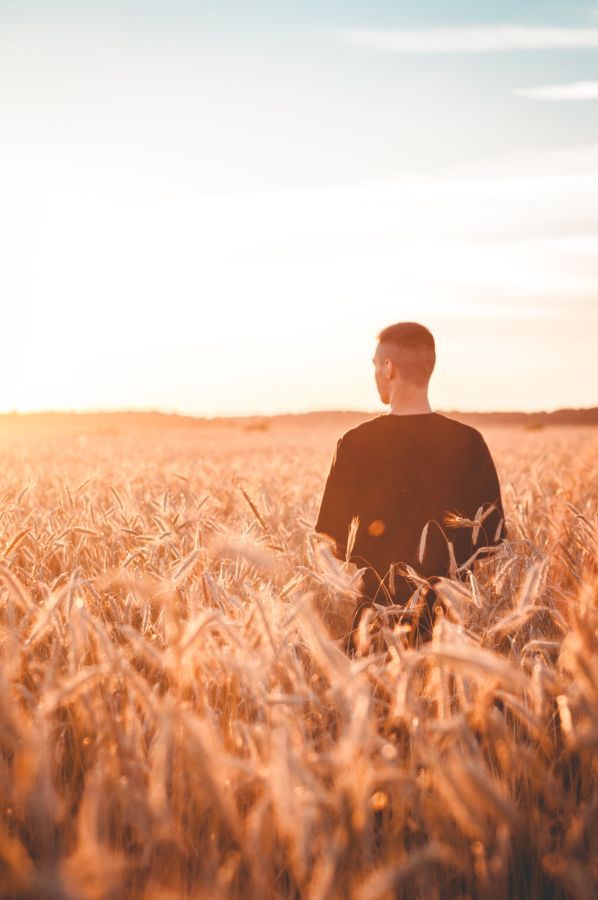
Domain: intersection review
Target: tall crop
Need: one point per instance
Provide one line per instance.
(179, 717)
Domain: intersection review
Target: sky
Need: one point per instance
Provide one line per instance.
(213, 207)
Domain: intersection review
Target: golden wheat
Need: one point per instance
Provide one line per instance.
(179, 718)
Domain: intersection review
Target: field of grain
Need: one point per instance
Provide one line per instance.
(178, 717)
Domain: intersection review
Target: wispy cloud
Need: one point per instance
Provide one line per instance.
(576, 90)
(470, 39)
(566, 162)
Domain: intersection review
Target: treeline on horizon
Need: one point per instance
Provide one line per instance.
(140, 418)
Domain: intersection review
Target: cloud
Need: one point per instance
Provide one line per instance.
(576, 90)
(469, 39)
(569, 161)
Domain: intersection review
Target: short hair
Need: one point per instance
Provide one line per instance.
(415, 353)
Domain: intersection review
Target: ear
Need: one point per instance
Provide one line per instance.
(389, 368)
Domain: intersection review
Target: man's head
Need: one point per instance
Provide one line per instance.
(404, 359)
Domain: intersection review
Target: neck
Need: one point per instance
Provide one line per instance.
(410, 402)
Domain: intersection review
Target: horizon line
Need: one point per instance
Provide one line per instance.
(13, 414)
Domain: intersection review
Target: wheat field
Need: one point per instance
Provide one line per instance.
(178, 715)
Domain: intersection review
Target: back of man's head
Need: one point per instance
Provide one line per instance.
(411, 347)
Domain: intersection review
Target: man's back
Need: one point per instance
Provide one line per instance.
(399, 473)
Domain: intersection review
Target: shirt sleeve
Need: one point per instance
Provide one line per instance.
(485, 501)
(336, 513)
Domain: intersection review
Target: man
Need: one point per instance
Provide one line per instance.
(416, 480)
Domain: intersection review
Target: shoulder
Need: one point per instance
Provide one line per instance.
(362, 433)
(467, 434)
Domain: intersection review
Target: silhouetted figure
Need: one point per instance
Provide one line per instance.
(415, 479)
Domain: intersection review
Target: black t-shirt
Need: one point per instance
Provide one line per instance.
(399, 474)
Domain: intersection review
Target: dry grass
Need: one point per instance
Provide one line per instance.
(178, 717)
